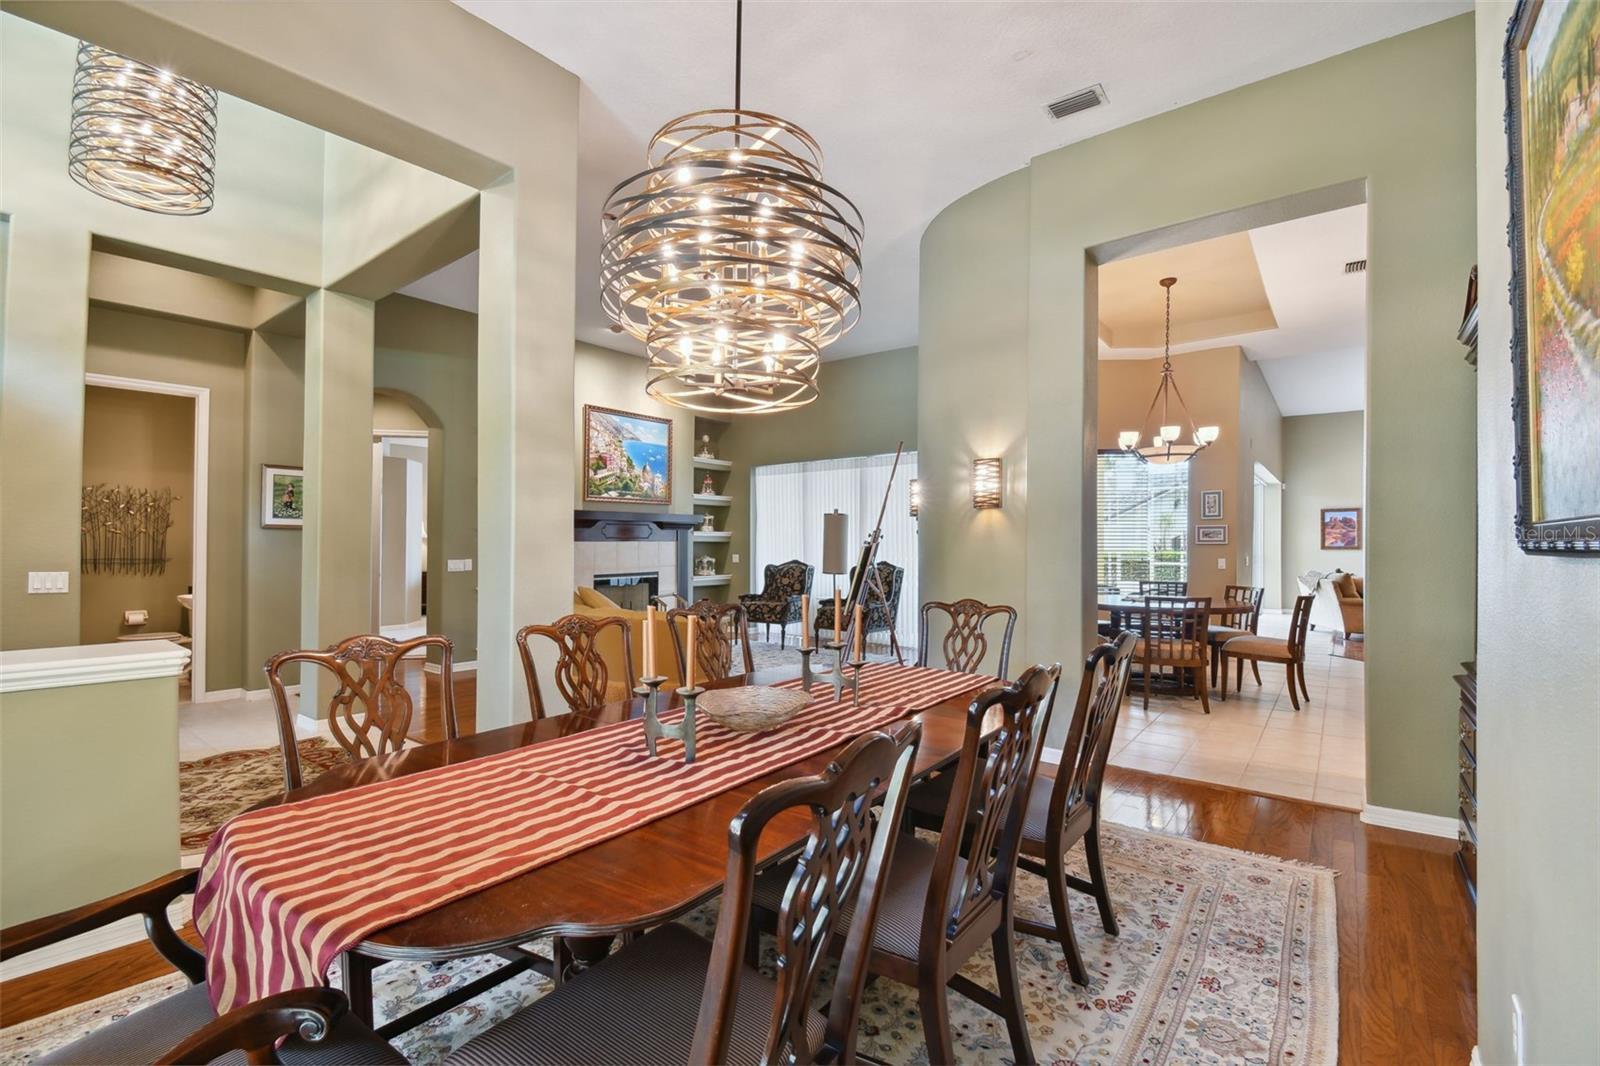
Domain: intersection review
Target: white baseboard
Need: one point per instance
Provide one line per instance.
(1476, 1059)
(257, 695)
(1050, 755)
(468, 667)
(1434, 825)
(218, 695)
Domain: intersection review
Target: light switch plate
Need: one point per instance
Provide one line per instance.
(1222, 564)
(458, 566)
(47, 581)
(735, 556)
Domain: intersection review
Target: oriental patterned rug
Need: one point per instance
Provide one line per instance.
(1223, 957)
(213, 789)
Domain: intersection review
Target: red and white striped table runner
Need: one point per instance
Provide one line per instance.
(283, 891)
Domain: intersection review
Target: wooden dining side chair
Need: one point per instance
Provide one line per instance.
(1290, 651)
(1230, 623)
(1064, 807)
(303, 1026)
(966, 641)
(721, 625)
(582, 677)
(674, 997)
(1172, 636)
(945, 899)
(1163, 588)
(369, 707)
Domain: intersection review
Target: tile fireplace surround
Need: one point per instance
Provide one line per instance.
(631, 542)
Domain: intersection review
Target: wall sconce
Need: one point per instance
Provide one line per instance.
(986, 482)
(916, 497)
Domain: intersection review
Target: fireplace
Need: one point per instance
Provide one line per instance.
(631, 592)
(631, 545)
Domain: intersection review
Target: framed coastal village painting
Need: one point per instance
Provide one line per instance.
(627, 457)
(283, 497)
(1552, 68)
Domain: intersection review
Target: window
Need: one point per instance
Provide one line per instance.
(789, 500)
(1142, 522)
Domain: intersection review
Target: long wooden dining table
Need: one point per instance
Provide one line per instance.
(647, 875)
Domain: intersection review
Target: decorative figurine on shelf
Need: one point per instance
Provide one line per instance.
(705, 448)
(705, 486)
(705, 566)
(708, 523)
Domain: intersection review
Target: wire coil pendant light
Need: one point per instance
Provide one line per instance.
(141, 136)
(1165, 446)
(731, 259)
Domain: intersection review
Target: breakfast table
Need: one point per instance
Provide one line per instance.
(623, 882)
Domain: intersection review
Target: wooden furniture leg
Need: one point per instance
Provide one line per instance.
(1205, 693)
(1255, 668)
(935, 1004)
(1222, 663)
(355, 980)
(1097, 877)
(1005, 972)
(1294, 697)
(1300, 669)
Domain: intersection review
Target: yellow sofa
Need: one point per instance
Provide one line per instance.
(590, 603)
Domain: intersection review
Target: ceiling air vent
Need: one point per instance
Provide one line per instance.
(1072, 103)
(1356, 266)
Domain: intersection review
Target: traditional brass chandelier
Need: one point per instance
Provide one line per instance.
(731, 259)
(1165, 447)
(141, 136)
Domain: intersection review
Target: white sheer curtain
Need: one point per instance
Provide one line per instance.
(787, 504)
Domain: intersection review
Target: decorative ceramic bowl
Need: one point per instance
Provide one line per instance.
(752, 708)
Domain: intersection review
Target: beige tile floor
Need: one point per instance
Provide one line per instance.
(230, 725)
(1256, 740)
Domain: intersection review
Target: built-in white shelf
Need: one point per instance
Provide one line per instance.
(703, 580)
(713, 536)
(702, 463)
(712, 501)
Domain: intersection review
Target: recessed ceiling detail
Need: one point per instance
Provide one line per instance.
(1222, 295)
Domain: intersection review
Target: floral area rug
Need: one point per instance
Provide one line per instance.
(213, 789)
(1223, 957)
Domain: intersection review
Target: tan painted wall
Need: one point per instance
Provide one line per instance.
(274, 384)
(1322, 468)
(391, 414)
(1260, 440)
(1210, 384)
(93, 816)
(140, 440)
(867, 406)
(1538, 691)
(1393, 116)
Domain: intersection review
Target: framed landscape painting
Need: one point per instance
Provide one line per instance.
(1341, 528)
(283, 497)
(1553, 99)
(627, 458)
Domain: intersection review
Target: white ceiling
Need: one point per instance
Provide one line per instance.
(915, 104)
(1315, 359)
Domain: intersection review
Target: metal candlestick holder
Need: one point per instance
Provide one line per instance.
(840, 681)
(808, 677)
(654, 729)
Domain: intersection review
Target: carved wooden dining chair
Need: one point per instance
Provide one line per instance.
(672, 997)
(721, 626)
(945, 899)
(1231, 623)
(1064, 807)
(369, 707)
(1291, 652)
(1172, 636)
(306, 1025)
(966, 641)
(582, 677)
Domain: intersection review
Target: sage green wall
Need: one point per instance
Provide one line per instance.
(1538, 692)
(429, 355)
(1007, 342)
(66, 838)
(274, 423)
(1322, 467)
(867, 405)
(615, 379)
(140, 440)
(126, 344)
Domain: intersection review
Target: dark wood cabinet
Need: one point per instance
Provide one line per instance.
(1467, 781)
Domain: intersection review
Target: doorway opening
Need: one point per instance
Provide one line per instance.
(400, 458)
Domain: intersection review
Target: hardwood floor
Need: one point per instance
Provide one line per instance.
(1407, 948)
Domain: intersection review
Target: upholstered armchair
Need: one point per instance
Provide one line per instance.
(1352, 592)
(778, 602)
(881, 609)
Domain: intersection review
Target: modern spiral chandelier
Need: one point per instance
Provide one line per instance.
(731, 259)
(141, 136)
(1165, 445)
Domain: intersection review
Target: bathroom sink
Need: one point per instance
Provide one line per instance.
(186, 601)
